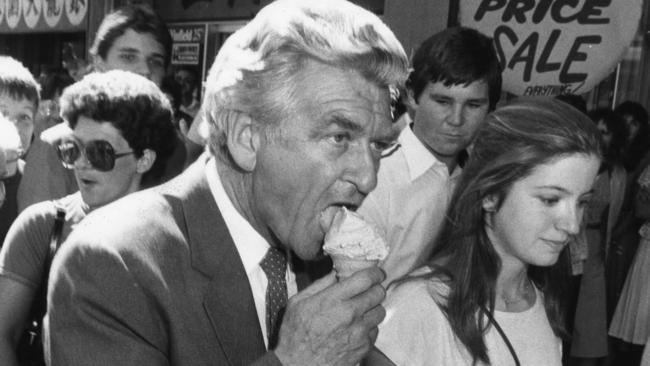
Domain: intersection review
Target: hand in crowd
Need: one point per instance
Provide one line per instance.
(333, 323)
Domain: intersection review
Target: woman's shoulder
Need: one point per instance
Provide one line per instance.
(421, 286)
(414, 321)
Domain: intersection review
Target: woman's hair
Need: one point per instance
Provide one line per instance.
(637, 148)
(132, 104)
(616, 126)
(513, 141)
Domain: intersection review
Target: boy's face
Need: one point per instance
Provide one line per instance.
(139, 53)
(22, 113)
(446, 118)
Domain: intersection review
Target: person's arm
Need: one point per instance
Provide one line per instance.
(332, 323)
(15, 302)
(21, 270)
(44, 177)
(376, 358)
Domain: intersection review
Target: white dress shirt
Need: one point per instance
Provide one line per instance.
(251, 246)
(409, 204)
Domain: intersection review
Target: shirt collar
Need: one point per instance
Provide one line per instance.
(418, 158)
(251, 246)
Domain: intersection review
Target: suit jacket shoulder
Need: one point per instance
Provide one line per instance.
(154, 279)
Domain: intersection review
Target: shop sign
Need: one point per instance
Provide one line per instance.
(550, 47)
(188, 39)
(13, 13)
(2, 11)
(76, 10)
(52, 11)
(186, 53)
(27, 16)
(31, 12)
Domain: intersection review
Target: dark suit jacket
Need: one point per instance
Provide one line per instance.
(154, 279)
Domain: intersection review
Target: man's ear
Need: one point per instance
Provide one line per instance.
(99, 64)
(145, 162)
(490, 203)
(410, 100)
(243, 140)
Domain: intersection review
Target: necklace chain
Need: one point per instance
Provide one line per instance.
(527, 289)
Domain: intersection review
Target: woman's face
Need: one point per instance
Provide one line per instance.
(542, 211)
(97, 187)
(605, 134)
(632, 126)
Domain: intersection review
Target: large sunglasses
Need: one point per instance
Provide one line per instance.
(99, 153)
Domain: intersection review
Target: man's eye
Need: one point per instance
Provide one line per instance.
(382, 146)
(340, 138)
(549, 201)
(442, 101)
(128, 57)
(157, 63)
(475, 105)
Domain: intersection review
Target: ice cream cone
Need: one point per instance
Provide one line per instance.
(346, 266)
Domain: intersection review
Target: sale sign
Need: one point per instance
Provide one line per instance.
(550, 47)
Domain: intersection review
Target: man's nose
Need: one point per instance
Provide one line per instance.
(363, 171)
(456, 115)
(142, 68)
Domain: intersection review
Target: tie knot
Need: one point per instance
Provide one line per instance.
(274, 264)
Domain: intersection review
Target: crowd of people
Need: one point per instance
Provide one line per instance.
(148, 222)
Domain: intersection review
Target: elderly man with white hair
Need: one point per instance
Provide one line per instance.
(198, 270)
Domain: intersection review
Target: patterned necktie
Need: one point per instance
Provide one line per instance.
(274, 266)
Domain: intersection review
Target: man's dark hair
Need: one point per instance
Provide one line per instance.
(17, 82)
(456, 56)
(140, 18)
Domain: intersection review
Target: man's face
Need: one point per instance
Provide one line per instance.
(446, 118)
(136, 52)
(21, 112)
(326, 156)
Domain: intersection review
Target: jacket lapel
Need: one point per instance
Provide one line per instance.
(228, 299)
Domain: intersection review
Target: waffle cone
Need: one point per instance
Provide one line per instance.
(346, 266)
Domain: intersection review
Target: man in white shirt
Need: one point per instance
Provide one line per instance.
(455, 81)
(194, 272)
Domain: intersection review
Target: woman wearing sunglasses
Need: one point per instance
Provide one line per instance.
(122, 135)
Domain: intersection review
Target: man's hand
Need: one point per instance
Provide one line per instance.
(333, 323)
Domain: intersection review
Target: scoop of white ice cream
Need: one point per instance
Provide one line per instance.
(351, 236)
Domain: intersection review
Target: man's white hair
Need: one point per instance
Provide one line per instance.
(255, 69)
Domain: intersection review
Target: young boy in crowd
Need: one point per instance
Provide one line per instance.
(19, 99)
(454, 83)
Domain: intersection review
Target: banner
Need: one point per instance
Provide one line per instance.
(30, 16)
(550, 47)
